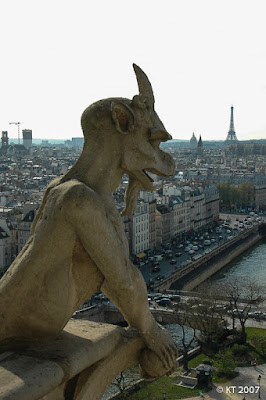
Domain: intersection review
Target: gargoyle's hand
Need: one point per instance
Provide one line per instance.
(159, 358)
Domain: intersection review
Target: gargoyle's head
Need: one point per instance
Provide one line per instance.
(138, 132)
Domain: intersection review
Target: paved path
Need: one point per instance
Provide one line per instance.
(246, 381)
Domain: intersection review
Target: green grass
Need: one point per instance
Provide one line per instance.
(253, 332)
(223, 379)
(194, 362)
(156, 389)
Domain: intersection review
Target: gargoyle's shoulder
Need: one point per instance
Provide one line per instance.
(76, 193)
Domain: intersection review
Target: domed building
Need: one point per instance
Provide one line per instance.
(193, 142)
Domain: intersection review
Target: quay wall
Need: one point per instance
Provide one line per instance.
(215, 267)
(198, 271)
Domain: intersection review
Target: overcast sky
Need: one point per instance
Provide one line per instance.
(202, 56)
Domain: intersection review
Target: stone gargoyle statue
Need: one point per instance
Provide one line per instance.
(77, 243)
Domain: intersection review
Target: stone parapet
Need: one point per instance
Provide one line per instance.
(79, 364)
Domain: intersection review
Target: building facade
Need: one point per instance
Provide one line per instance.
(140, 229)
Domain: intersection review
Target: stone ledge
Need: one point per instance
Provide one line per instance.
(93, 353)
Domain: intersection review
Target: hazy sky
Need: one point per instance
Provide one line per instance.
(202, 56)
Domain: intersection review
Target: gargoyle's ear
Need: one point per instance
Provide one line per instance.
(123, 117)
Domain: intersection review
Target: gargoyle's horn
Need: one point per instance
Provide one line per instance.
(143, 83)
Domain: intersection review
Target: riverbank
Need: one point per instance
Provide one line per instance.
(198, 271)
(221, 260)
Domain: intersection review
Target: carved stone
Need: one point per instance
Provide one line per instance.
(77, 243)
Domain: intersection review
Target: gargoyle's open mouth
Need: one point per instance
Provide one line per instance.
(148, 176)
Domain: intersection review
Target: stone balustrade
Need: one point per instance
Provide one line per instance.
(77, 365)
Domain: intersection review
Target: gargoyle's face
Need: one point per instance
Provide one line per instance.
(141, 133)
(141, 153)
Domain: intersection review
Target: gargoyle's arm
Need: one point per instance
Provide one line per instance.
(123, 283)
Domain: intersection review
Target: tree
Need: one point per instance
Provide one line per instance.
(185, 320)
(224, 363)
(208, 314)
(125, 380)
(233, 195)
(241, 295)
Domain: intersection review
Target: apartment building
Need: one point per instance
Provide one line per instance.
(24, 229)
(149, 197)
(212, 200)
(140, 229)
(5, 250)
(163, 224)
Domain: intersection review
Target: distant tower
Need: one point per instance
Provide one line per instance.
(4, 138)
(27, 138)
(200, 146)
(193, 141)
(231, 137)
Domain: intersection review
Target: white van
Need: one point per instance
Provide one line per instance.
(158, 257)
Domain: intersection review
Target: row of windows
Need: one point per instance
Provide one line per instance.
(141, 247)
(142, 227)
(141, 218)
(142, 237)
(23, 233)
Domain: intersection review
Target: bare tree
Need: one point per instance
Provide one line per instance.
(241, 295)
(208, 314)
(185, 320)
(125, 380)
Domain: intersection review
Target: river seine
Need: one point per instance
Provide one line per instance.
(251, 264)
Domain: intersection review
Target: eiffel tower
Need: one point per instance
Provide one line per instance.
(231, 137)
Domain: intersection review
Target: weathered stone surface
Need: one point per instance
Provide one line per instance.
(93, 353)
(77, 244)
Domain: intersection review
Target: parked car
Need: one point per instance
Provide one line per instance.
(164, 302)
(155, 263)
(158, 257)
(175, 297)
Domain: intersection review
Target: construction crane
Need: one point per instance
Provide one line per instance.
(18, 124)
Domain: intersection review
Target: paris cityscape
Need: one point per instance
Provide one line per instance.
(214, 204)
(209, 178)
(133, 233)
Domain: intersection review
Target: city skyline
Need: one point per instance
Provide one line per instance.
(201, 58)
